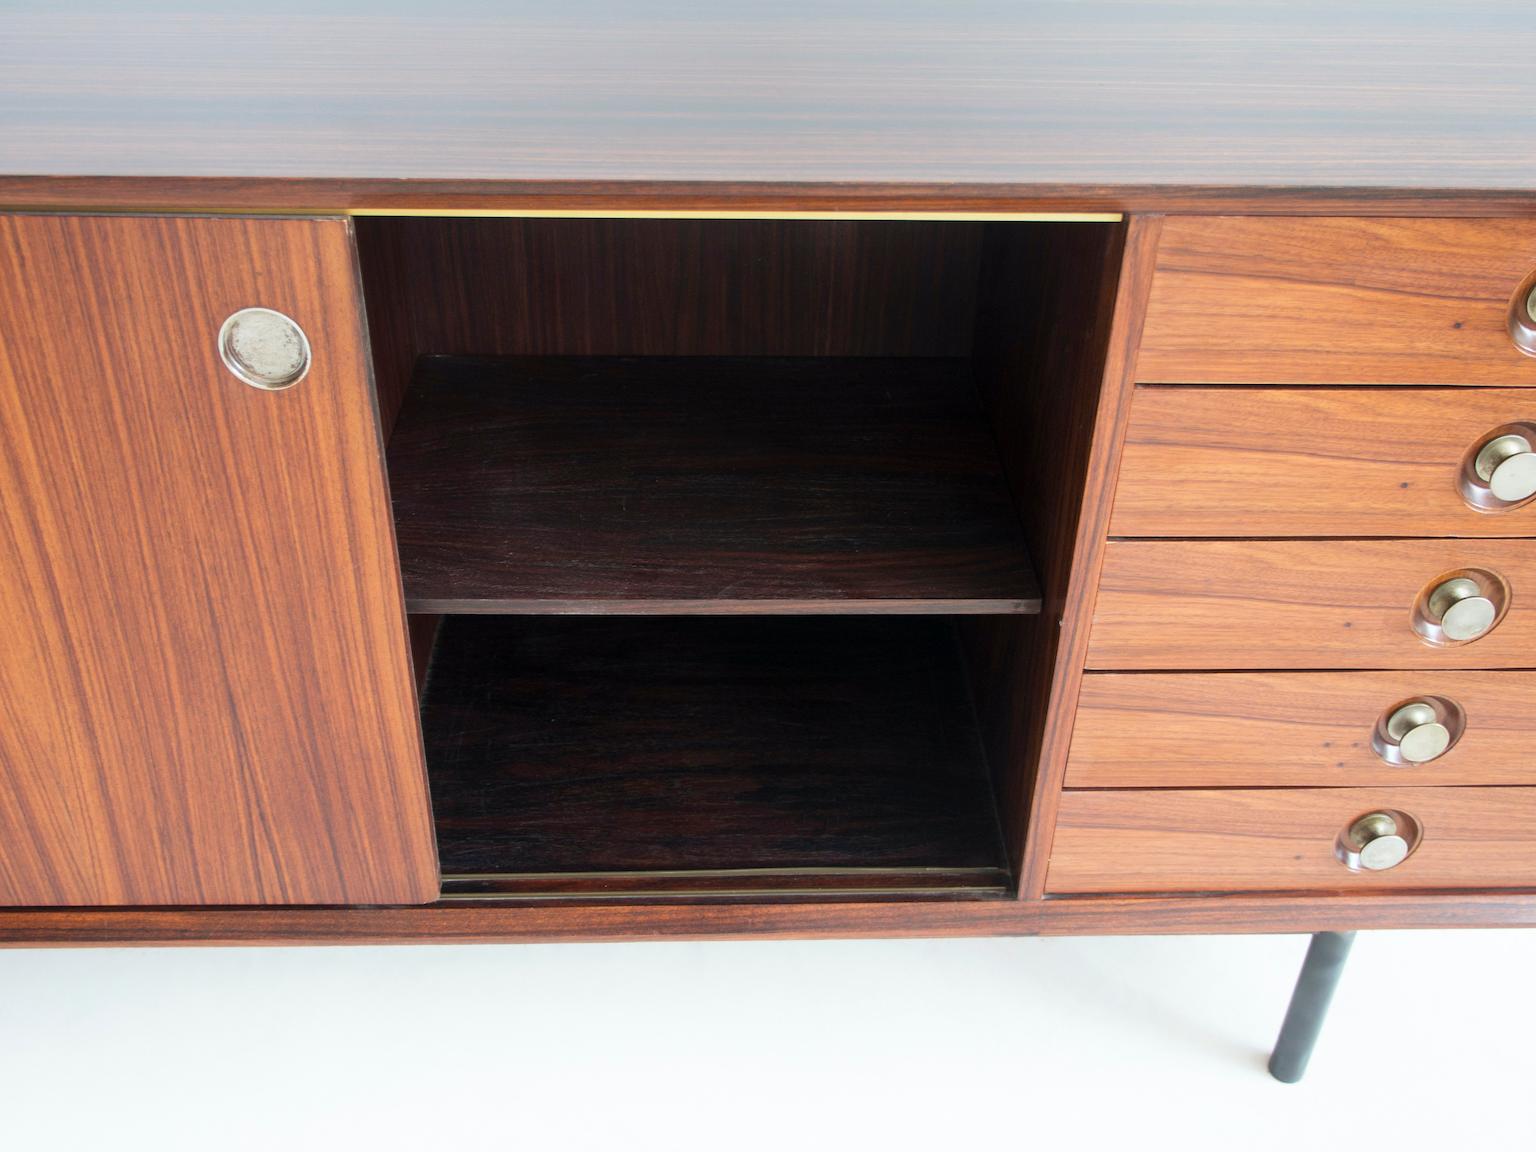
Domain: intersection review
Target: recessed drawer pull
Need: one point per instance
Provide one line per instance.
(1419, 730)
(1378, 841)
(264, 348)
(1499, 472)
(1522, 317)
(1460, 607)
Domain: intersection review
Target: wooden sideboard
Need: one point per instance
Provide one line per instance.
(566, 482)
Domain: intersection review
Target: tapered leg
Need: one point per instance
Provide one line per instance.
(1309, 1004)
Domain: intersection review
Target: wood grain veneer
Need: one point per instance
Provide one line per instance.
(1237, 840)
(1084, 425)
(1323, 301)
(1316, 604)
(507, 287)
(703, 485)
(1042, 324)
(551, 921)
(1311, 462)
(773, 747)
(1298, 729)
(206, 690)
(1306, 94)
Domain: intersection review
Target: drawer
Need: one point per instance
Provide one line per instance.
(1282, 839)
(1305, 604)
(1303, 729)
(1328, 462)
(1241, 300)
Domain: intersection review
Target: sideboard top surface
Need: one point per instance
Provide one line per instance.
(1133, 105)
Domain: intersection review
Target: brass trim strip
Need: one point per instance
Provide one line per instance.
(646, 873)
(690, 894)
(738, 214)
(581, 213)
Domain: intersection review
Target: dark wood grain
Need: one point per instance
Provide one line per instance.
(1279, 839)
(1099, 411)
(205, 685)
(600, 746)
(1311, 462)
(1291, 729)
(506, 287)
(1044, 305)
(1277, 604)
(663, 484)
(455, 922)
(1317, 301)
(1209, 92)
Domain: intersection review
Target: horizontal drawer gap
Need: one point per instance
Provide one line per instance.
(1391, 388)
(1351, 670)
(1394, 539)
(1343, 784)
(1351, 893)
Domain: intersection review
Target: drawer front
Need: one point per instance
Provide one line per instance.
(1287, 840)
(1328, 462)
(1303, 729)
(1240, 300)
(1304, 604)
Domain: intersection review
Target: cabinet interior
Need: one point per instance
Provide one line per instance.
(734, 548)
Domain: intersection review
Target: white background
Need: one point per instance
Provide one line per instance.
(937, 1045)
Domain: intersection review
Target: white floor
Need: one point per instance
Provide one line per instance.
(934, 1045)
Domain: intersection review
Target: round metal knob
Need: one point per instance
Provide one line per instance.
(1522, 318)
(264, 348)
(1418, 732)
(1378, 841)
(1461, 610)
(1507, 464)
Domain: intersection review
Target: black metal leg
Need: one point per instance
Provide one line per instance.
(1309, 1004)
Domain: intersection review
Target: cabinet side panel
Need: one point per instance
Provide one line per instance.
(1047, 299)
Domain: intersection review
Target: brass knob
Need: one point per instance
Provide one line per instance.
(265, 349)
(1461, 609)
(1378, 841)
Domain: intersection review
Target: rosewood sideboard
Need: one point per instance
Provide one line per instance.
(502, 475)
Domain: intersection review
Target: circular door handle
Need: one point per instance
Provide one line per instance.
(264, 348)
(1522, 317)
(1377, 841)
(1419, 730)
(1499, 472)
(1461, 609)
(1508, 464)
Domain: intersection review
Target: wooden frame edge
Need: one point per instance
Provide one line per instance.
(508, 923)
(1111, 421)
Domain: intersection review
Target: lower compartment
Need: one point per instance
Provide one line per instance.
(708, 756)
(1289, 840)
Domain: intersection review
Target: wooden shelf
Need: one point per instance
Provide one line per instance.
(637, 755)
(702, 484)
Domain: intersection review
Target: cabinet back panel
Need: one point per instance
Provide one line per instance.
(551, 287)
